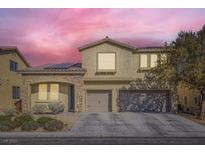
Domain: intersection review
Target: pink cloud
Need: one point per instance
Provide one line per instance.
(53, 35)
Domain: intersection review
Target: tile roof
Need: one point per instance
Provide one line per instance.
(55, 68)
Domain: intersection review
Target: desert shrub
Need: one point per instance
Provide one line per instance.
(19, 120)
(26, 112)
(43, 120)
(6, 125)
(5, 118)
(40, 108)
(54, 125)
(56, 107)
(9, 112)
(29, 125)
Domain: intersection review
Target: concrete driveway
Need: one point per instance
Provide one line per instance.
(136, 125)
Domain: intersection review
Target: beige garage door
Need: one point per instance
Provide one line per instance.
(98, 101)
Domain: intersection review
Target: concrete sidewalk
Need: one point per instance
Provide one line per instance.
(102, 141)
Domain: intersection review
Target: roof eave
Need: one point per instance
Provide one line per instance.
(15, 48)
(90, 45)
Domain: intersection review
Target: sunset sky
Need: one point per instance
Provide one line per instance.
(53, 35)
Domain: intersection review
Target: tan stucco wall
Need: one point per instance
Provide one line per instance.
(75, 80)
(9, 79)
(124, 63)
(185, 90)
(127, 62)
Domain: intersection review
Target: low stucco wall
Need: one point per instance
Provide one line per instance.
(28, 80)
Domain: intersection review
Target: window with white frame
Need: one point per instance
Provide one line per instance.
(106, 61)
(54, 91)
(153, 60)
(143, 60)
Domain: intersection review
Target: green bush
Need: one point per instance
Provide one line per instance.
(40, 108)
(43, 120)
(29, 125)
(6, 125)
(9, 112)
(56, 107)
(5, 118)
(19, 120)
(54, 125)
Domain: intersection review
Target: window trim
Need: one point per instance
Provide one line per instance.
(105, 70)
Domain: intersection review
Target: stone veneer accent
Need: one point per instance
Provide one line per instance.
(76, 80)
(144, 101)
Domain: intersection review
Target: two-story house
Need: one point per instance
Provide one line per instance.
(10, 81)
(96, 85)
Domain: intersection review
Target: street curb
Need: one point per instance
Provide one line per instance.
(102, 141)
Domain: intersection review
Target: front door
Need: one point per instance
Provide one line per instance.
(98, 101)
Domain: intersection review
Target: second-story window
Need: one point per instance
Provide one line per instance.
(143, 61)
(106, 61)
(153, 60)
(13, 66)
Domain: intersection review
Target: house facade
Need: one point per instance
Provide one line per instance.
(11, 60)
(98, 83)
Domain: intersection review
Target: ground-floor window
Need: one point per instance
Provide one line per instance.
(48, 91)
(15, 92)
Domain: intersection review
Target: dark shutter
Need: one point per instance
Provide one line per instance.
(72, 99)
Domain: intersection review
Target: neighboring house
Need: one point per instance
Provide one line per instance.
(11, 60)
(96, 85)
(190, 98)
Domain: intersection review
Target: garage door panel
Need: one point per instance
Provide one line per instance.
(144, 100)
(98, 101)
